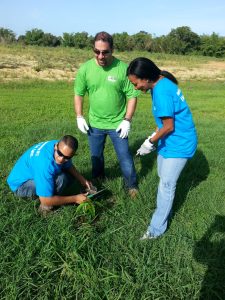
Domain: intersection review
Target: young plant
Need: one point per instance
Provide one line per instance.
(86, 210)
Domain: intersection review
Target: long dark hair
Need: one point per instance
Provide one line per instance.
(144, 68)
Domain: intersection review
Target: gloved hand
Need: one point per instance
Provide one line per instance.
(147, 147)
(82, 124)
(124, 129)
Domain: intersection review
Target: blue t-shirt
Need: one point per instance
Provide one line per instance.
(37, 164)
(168, 101)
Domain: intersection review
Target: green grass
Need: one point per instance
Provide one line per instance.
(59, 257)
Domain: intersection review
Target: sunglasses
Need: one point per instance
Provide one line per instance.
(61, 154)
(104, 52)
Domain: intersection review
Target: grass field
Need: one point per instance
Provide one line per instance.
(59, 257)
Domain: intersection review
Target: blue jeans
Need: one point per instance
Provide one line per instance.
(169, 170)
(28, 188)
(97, 138)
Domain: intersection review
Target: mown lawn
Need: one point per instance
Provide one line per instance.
(59, 257)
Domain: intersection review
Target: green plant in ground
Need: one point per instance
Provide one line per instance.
(86, 209)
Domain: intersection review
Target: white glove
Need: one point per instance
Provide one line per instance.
(147, 147)
(124, 129)
(82, 124)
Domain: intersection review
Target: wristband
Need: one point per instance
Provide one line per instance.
(129, 120)
(150, 140)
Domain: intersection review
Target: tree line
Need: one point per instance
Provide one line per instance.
(181, 40)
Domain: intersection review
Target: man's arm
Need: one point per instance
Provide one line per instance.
(131, 106)
(58, 200)
(74, 172)
(61, 200)
(78, 105)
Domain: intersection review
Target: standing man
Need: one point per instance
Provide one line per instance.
(46, 170)
(112, 102)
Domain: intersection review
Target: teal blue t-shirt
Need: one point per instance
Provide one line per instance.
(168, 101)
(37, 164)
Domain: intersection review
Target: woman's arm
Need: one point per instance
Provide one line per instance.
(168, 126)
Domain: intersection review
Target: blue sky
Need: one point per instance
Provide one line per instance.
(116, 16)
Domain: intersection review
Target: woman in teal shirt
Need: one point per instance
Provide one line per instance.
(175, 136)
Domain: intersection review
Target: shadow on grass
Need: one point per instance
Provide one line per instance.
(145, 161)
(113, 171)
(195, 171)
(210, 251)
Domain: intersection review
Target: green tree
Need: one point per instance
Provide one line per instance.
(123, 42)
(159, 44)
(142, 41)
(50, 40)
(212, 45)
(81, 40)
(68, 39)
(182, 40)
(78, 40)
(7, 36)
(34, 37)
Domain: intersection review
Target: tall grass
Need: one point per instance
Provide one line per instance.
(13, 56)
(59, 257)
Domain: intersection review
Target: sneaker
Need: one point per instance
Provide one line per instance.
(133, 193)
(147, 236)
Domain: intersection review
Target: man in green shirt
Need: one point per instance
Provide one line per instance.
(112, 102)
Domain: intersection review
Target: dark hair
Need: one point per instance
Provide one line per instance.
(70, 141)
(144, 68)
(105, 37)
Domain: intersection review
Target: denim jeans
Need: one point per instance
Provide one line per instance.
(169, 170)
(28, 188)
(97, 139)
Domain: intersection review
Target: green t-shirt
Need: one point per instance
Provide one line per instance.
(108, 89)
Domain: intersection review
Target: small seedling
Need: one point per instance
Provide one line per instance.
(87, 209)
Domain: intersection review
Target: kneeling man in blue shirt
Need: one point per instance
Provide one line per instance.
(45, 170)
